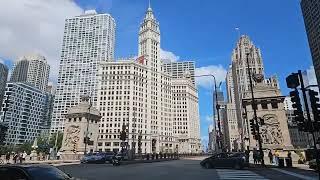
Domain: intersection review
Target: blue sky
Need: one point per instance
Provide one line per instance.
(203, 31)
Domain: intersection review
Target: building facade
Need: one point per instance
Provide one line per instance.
(232, 133)
(180, 69)
(125, 98)
(48, 110)
(32, 69)
(186, 120)
(88, 40)
(311, 15)
(212, 140)
(25, 114)
(3, 80)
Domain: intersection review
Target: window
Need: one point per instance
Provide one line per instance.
(274, 105)
(264, 105)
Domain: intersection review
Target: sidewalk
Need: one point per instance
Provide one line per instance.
(51, 162)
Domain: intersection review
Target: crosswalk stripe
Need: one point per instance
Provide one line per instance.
(228, 174)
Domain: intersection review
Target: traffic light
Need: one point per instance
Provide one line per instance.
(253, 128)
(293, 80)
(86, 140)
(123, 136)
(296, 104)
(314, 101)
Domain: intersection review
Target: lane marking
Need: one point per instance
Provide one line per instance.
(228, 174)
(295, 174)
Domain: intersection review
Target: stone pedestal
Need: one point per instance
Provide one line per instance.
(270, 108)
(81, 130)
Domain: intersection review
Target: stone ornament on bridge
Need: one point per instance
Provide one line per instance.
(81, 120)
(270, 132)
(72, 136)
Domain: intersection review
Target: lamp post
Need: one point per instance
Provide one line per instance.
(215, 108)
(254, 107)
(87, 131)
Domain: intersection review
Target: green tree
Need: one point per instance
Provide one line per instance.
(24, 147)
(59, 140)
(43, 144)
(6, 148)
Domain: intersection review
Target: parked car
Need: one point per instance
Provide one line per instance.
(32, 172)
(225, 160)
(313, 164)
(93, 158)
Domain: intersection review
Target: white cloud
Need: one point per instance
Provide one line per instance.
(205, 138)
(168, 56)
(1, 61)
(35, 26)
(209, 119)
(207, 81)
(312, 76)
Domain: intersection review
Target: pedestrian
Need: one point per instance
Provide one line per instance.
(15, 158)
(255, 155)
(259, 156)
(20, 158)
(24, 156)
(247, 154)
(58, 155)
(8, 157)
(289, 154)
(276, 155)
(270, 155)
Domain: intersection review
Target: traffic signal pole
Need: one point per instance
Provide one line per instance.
(254, 106)
(303, 89)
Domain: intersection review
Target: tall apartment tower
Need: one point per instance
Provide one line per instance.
(180, 69)
(311, 11)
(32, 69)
(3, 80)
(88, 40)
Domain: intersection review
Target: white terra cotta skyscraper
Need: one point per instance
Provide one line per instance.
(87, 41)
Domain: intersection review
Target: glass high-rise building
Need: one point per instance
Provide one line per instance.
(25, 113)
(311, 15)
(3, 80)
(88, 40)
(32, 69)
(180, 69)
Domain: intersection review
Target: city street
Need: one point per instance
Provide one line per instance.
(181, 169)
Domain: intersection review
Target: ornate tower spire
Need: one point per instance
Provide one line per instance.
(149, 40)
(149, 7)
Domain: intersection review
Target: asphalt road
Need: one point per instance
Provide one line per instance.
(176, 170)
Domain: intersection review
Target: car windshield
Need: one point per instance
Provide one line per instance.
(46, 173)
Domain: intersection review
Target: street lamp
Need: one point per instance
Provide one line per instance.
(215, 108)
(87, 131)
(254, 106)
